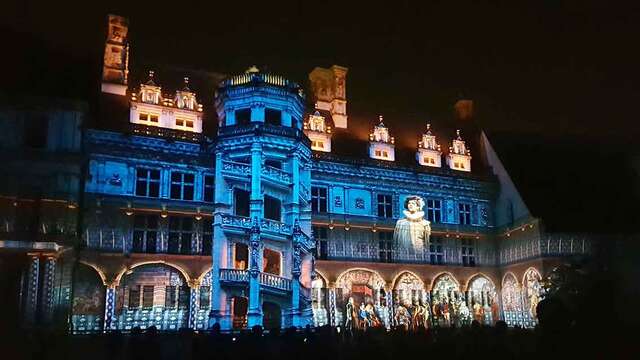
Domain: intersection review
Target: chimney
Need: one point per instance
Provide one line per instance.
(463, 110)
(115, 68)
(330, 92)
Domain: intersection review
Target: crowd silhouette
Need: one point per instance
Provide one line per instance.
(555, 337)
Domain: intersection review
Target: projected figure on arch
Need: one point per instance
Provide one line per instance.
(446, 300)
(483, 299)
(532, 292)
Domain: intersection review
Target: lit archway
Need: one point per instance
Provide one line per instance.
(482, 299)
(359, 299)
(88, 299)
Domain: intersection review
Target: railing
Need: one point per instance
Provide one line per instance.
(275, 281)
(275, 226)
(235, 220)
(236, 168)
(234, 275)
(370, 251)
(276, 174)
(145, 130)
(121, 240)
(258, 128)
(266, 279)
(551, 245)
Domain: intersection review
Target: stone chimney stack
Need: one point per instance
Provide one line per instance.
(330, 92)
(463, 110)
(115, 68)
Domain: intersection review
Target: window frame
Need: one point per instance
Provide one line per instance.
(318, 200)
(182, 184)
(208, 187)
(148, 181)
(141, 234)
(384, 205)
(464, 213)
(182, 237)
(434, 214)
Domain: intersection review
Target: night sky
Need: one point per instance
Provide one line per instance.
(554, 82)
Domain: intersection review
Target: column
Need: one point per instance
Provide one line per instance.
(254, 314)
(221, 196)
(47, 300)
(256, 171)
(332, 307)
(295, 276)
(109, 308)
(194, 291)
(31, 303)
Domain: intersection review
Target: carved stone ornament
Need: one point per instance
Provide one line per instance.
(359, 203)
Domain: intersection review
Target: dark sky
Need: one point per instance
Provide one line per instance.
(554, 82)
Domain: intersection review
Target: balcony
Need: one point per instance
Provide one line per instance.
(266, 225)
(275, 174)
(267, 281)
(236, 168)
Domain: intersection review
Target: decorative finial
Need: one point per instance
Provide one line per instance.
(186, 83)
(253, 69)
(151, 75)
(380, 123)
(458, 134)
(428, 128)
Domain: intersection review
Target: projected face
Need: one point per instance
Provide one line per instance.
(413, 206)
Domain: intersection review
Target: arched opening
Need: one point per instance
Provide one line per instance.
(319, 302)
(511, 301)
(88, 300)
(483, 301)
(448, 305)
(532, 294)
(153, 295)
(359, 299)
(240, 305)
(204, 302)
(272, 316)
(410, 302)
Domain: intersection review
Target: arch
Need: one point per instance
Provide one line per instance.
(533, 271)
(402, 273)
(324, 278)
(204, 274)
(475, 276)
(440, 275)
(509, 274)
(101, 273)
(185, 275)
(377, 279)
(88, 301)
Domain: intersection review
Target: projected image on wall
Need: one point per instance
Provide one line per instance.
(412, 232)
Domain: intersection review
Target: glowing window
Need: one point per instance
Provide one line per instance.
(179, 122)
(378, 153)
(189, 123)
(271, 261)
(148, 117)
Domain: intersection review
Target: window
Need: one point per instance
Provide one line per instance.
(180, 234)
(145, 233)
(147, 296)
(207, 236)
(207, 192)
(318, 199)
(385, 242)
(183, 297)
(134, 297)
(170, 297)
(271, 261)
(434, 210)
(179, 122)
(274, 163)
(385, 208)
(189, 124)
(205, 297)
(150, 118)
(148, 182)
(429, 160)
(243, 116)
(436, 251)
(241, 256)
(272, 208)
(468, 253)
(464, 213)
(320, 234)
(182, 185)
(317, 144)
(241, 202)
(35, 131)
(273, 117)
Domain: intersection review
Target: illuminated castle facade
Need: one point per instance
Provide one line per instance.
(243, 204)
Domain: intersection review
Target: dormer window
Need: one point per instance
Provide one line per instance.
(429, 153)
(318, 132)
(150, 118)
(459, 156)
(381, 144)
